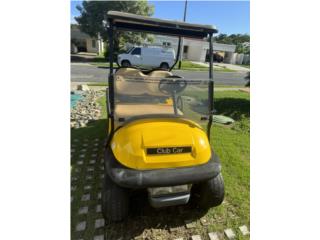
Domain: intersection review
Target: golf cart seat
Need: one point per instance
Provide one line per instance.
(135, 72)
(160, 73)
(129, 72)
(131, 81)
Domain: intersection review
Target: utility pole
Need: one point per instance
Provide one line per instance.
(184, 19)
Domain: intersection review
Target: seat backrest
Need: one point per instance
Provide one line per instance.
(130, 72)
(127, 87)
(160, 73)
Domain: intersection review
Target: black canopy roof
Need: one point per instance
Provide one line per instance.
(133, 22)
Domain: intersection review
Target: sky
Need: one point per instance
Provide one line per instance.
(230, 17)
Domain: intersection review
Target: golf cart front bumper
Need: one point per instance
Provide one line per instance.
(137, 179)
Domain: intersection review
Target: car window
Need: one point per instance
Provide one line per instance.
(136, 51)
(127, 52)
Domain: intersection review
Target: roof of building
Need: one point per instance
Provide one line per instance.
(76, 32)
(133, 22)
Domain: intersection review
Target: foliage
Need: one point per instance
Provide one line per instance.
(92, 14)
(242, 41)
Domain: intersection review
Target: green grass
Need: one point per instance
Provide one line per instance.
(244, 65)
(231, 143)
(186, 65)
(101, 64)
(93, 135)
(102, 84)
(226, 86)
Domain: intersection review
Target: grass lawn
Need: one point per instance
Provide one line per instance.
(102, 64)
(244, 65)
(231, 143)
(186, 65)
(102, 84)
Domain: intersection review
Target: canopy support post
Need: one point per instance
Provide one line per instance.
(211, 87)
(110, 90)
(178, 55)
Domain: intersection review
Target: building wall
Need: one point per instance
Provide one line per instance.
(246, 59)
(77, 35)
(236, 58)
(197, 49)
(101, 46)
(90, 47)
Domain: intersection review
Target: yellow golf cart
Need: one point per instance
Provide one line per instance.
(159, 127)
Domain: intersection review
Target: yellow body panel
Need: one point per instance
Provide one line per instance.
(130, 142)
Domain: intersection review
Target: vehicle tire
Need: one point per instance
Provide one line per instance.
(125, 63)
(211, 192)
(115, 201)
(164, 66)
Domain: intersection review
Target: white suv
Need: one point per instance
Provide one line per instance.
(148, 57)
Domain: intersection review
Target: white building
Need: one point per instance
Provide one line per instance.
(82, 42)
(193, 49)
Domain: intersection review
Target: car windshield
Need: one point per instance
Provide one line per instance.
(154, 96)
(129, 50)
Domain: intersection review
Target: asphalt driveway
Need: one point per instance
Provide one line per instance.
(84, 72)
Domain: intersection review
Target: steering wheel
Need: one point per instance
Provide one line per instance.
(168, 86)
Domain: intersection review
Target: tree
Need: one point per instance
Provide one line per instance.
(240, 40)
(92, 13)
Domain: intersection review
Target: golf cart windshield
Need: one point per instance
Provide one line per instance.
(133, 97)
(161, 97)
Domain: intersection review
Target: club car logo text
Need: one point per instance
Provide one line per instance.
(169, 150)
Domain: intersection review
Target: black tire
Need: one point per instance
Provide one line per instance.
(115, 201)
(164, 66)
(211, 193)
(125, 63)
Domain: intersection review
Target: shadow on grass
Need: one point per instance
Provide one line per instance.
(235, 108)
(86, 59)
(143, 219)
(95, 129)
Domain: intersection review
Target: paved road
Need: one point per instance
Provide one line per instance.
(89, 73)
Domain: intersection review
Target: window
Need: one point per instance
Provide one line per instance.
(185, 49)
(93, 42)
(166, 44)
(136, 51)
(127, 52)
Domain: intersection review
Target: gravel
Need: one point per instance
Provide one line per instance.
(86, 109)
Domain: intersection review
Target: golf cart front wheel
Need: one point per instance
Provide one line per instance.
(211, 193)
(115, 201)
